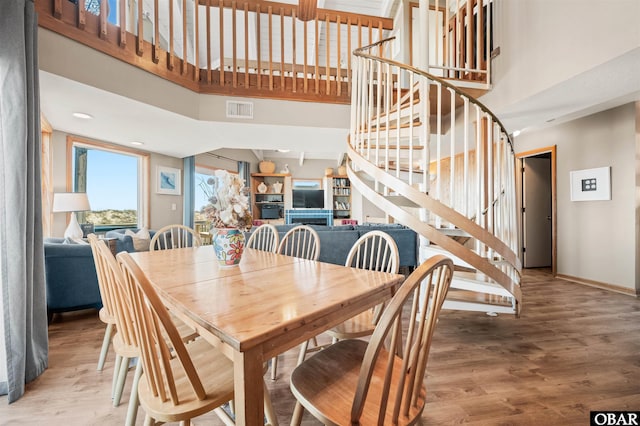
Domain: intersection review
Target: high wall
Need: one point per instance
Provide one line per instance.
(597, 240)
(552, 45)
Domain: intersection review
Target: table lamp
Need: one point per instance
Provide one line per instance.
(71, 202)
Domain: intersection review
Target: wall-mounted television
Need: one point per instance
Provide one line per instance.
(308, 199)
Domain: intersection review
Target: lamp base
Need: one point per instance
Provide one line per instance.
(73, 231)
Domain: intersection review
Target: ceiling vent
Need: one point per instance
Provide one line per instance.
(237, 109)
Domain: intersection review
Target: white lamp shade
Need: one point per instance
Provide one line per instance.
(70, 202)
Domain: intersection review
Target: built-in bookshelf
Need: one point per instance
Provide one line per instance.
(341, 197)
(270, 192)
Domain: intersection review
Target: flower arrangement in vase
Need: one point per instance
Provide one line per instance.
(229, 214)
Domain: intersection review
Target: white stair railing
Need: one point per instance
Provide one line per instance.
(437, 159)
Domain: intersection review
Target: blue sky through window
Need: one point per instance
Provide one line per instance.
(112, 181)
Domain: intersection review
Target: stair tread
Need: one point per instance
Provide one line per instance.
(475, 297)
(478, 277)
(393, 147)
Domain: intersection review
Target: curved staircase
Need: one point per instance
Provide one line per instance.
(435, 159)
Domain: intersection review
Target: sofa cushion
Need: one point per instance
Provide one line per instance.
(141, 239)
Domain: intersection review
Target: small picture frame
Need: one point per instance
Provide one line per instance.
(87, 228)
(168, 181)
(591, 184)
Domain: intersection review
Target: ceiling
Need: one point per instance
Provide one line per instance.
(121, 119)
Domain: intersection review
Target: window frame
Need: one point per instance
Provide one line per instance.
(144, 177)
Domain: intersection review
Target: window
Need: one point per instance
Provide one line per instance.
(115, 180)
(203, 191)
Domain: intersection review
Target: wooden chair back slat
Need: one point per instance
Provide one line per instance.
(173, 237)
(152, 322)
(376, 251)
(264, 238)
(301, 241)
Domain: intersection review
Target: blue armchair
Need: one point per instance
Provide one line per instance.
(71, 279)
(125, 242)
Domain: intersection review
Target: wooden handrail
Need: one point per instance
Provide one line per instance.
(194, 51)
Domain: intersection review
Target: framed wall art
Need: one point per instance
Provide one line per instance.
(591, 184)
(168, 181)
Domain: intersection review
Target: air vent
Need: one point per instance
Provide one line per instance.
(237, 109)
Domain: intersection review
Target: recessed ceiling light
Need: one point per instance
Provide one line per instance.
(516, 133)
(82, 115)
(137, 143)
(283, 150)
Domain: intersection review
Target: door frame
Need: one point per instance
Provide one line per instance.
(554, 215)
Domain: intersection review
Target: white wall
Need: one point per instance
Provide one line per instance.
(545, 42)
(596, 239)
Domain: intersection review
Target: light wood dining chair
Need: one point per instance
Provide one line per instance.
(302, 241)
(173, 388)
(355, 382)
(264, 238)
(179, 381)
(375, 251)
(106, 312)
(173, 237)
(125, 343)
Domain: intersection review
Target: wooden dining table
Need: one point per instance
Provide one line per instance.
(266, 305)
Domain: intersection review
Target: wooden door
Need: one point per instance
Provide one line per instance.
(537, 213)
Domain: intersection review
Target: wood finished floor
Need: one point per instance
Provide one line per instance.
(574, 349)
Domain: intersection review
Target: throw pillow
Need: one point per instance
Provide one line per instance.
(141, 239)
(79, 241)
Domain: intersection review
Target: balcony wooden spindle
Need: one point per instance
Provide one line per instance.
(208, 43)
(294, 72)
(338, 65)
(234, 51)
(82, 19)
(123, 23)
(317, 75)
(171, 52)
(184, 37)
(328, 60)
(246, 45)
(156, 33)
(270, 12)
(140, 38)
(259, 69)
(281, 49)
(304, 68)
(222, 65)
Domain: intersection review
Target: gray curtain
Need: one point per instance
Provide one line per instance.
(189, 203)
(244, 171)
(23, 336)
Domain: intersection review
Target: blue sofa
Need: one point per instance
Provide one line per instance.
(71, 279)
(336, 241)
(124, 242)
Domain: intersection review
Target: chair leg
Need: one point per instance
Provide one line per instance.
(116, 371)
(122, 377)
(274, 367)
(132, 410)
(105, 346)
(269, 412)
(148, 421)
(296, 418)
(303, 352)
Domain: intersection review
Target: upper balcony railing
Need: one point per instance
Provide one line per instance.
(250, 48)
